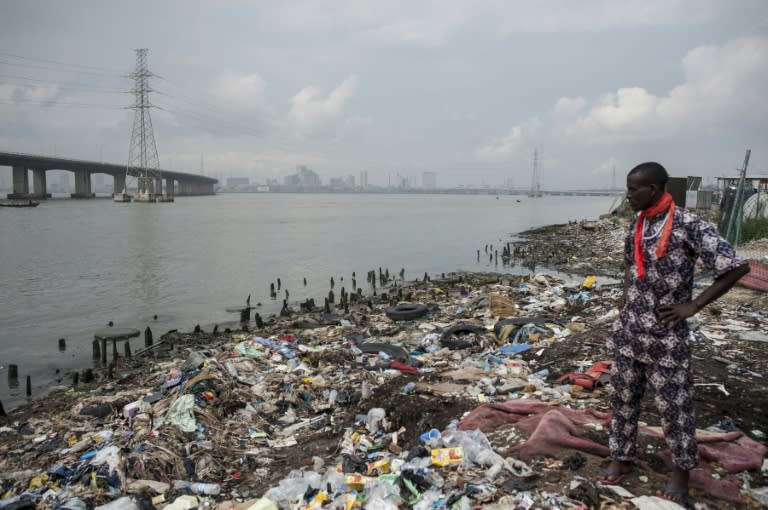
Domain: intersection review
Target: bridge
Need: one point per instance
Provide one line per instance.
(177, 183)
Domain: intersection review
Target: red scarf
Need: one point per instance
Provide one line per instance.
(665, 204)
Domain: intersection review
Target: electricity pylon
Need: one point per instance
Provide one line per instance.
(143, 162)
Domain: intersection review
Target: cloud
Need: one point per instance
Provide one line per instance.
(316, 116)
(722, 92)
(227, 103)
(20, 94)
(6, 92)
(238, 91)
(549, 16)
(504, 147)
(40, 92)
(430, 23)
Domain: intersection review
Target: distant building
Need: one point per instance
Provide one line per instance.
(429, 180)
(304, 178)
(364, 179)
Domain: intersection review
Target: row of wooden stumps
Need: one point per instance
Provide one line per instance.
(383, 277)
(13, 379)
(506, 253)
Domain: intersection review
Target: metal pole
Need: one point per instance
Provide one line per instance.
(733, 226)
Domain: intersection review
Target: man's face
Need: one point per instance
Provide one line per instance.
(641, 193)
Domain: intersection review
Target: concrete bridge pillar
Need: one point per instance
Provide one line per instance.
(20, 183)
(169, 187)
(119, 185)
(159, 186)
(40, 182)
(82, 184)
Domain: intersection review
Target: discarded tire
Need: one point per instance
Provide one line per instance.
(456, 337)
(406, 312)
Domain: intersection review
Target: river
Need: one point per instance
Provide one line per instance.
(68, 267)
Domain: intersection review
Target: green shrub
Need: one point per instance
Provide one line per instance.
(754, 228)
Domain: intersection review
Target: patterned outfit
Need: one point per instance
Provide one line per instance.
(646, 351)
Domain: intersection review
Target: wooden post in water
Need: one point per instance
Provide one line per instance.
(110, 370)
(279, 284)
(13, 376)
(245, 314)
(305, 281)
(62, 345)
(148, 340)
(103, 351)
(75, 379)
(29, 385)
(259, 322)
(88, 376)
(332, 283)
(127, 349)
(96, 351)
(114, 348)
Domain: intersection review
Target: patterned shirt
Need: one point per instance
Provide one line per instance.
(637, 333)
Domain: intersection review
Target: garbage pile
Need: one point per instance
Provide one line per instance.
(582, 248)
(471, 394)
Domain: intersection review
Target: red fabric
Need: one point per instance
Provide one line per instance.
(406, 369)
(664, 205)
(757, 278)
(555, 431)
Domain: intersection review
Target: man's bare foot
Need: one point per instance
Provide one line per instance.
(676, 489)
(615, 472)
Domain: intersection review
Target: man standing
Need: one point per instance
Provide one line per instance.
(650, 337)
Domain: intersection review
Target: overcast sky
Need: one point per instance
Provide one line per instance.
(467, 89)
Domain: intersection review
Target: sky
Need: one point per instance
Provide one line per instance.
(466, 89)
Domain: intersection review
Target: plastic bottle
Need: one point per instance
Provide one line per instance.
(408, 388)
(374, 418)
(211, 489)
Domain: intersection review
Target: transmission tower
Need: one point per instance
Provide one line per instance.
(143, 162)
(535, 176)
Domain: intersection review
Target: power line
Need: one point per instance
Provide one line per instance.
(58, 62)
(35, 66)
(61, 103)
(63, 86)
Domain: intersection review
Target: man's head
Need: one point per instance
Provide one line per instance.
(645, 185)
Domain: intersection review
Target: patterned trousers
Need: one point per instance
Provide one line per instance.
(673, 395)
